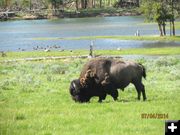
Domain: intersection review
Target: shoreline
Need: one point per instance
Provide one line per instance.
(83, 14)
(122, 56)
(166, 51)
(117, 37)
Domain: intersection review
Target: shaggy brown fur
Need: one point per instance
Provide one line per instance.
(104, 76)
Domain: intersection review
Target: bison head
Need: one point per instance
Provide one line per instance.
(78, 92)
(80, 88)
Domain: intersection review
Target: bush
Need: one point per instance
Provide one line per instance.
(28, 82)
(57, 69)
(20, 117)
(166, 61)
(4, 85)
(175, 74)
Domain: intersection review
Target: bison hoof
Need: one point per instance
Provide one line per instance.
(100, 101)
(115, 99)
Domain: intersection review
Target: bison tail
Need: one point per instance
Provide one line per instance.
(143, 70)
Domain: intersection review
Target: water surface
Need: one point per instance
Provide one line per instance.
(15, 35)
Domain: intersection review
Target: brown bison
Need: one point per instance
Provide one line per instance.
(100, 77)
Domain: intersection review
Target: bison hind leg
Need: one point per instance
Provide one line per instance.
(140, 88)
(143, 93)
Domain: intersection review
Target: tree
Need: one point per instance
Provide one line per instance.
(84, 4)
(2, 3)
(137, 3)
(160, 16)
(93, 3)
(25, 4)
(7, 3)
(77, 4)
(109, 2)
(159, 11)
(172, 17)
(100, 3)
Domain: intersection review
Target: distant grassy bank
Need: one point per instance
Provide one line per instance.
(154, 38)
(141, 51)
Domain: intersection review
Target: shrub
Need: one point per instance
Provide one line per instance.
(175, 74)
(4, 85)
(28, 82)
(58, 69)
(20, 117)
(166, 61)
(4, 72)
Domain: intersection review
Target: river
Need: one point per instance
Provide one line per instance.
(27, 34)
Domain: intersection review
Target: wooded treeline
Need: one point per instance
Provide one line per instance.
(160, 11)
(72, 4)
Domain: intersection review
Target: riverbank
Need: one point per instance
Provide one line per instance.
(149, 38)
(77, 53)
(45, 14)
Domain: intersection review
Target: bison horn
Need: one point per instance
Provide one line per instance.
(88, 74)
(106, 80)
(74, 85)
(76, 89)
(82, 82)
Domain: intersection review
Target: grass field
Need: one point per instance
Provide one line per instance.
(140, 51)
(34, 99)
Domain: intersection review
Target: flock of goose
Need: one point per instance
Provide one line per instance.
(46, 48)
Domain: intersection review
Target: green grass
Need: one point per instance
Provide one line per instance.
(154, 38)
(141, 51)
(177, 25)
(34, 99)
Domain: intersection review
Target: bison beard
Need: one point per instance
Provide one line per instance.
(100, 77)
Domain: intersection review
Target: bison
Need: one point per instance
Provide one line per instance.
(100, 77)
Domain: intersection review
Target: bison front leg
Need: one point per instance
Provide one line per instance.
(111, 90)
(102, 96)
(140, 88)
(114, 94)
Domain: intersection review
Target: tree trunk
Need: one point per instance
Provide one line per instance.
(77, 5)
(85, 4)
(30, 5)
(109, 2)
(94, 3)
(164, 28)
(170, 32)
(137, 3)
(82, 4)
(100, 3)
(7, 3)
(173, 28)
(63, 6)
(120, 3)
(160, 29)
